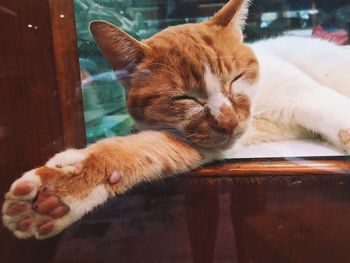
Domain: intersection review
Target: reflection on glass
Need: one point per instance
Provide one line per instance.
(104, 106)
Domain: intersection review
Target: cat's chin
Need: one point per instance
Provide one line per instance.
(223, 145)
(220, 146)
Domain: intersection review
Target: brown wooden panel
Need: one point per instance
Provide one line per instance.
(205, 220)
(202, 212)
(40, 96)
(30, 126)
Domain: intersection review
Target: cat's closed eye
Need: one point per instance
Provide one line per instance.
(237, 78)
(188, 97)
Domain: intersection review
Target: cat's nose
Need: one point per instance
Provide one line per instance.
(227, 120)
(228, 127)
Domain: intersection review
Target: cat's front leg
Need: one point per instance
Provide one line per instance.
(46, 200)
(326, 112)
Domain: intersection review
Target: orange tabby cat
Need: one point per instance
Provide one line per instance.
(180, 81)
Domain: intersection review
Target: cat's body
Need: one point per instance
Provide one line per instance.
(199, 90)
(303, 91)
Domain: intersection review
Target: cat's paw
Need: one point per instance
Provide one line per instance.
(46, 200)
(344, 137)
(33, 209)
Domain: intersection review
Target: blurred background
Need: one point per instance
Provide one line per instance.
(104, 107)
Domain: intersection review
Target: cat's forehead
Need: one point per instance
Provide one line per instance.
(194, 36)
(188, 48)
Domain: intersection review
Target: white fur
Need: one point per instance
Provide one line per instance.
(241, 16)
(216, 99)
(242, 86)
(304, 86)
(67, 160)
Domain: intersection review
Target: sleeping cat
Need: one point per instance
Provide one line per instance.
(195, 90)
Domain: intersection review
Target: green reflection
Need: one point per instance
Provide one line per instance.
(104, 103)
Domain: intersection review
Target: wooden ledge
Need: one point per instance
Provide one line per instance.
(339, 165)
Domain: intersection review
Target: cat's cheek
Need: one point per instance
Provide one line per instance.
(244, 88)
(242, 105)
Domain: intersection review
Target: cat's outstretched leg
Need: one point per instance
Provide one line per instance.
(326, 112)
(46, 200)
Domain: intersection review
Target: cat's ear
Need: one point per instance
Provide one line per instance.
(233, 14)
(121, 50)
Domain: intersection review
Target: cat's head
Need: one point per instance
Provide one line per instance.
(193, 80)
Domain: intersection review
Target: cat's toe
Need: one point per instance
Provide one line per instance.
(25, 188)
(45, 228)
(18, 218)
(17, 205)
(16, 208)
(344, 137)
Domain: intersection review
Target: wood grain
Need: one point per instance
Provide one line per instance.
(277, 167)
